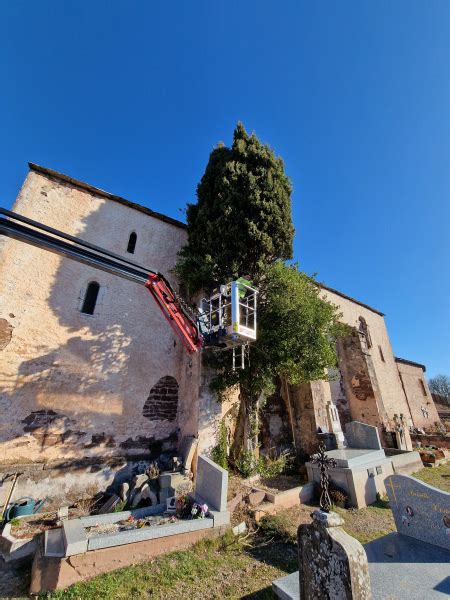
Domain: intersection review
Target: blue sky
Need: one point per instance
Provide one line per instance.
(354, 95)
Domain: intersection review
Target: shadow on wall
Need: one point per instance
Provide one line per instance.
(105, 382)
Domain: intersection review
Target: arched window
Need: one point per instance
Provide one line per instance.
(364, 330)
(90, 298)
(132, 242)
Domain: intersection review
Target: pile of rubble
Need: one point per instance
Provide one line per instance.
(155, 487)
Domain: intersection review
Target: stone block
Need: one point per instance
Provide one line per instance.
(220, 518)
(240, 529)
(172, 480)
(12, 548)
(287, 587)
(406, 463)
(420, 511)
(53, 573)
(351, 474)
(290, 498)
(361, 435)
(256, 498)
(75, 538)
(403, 567)
(234, 502)
(211, 483)
(148, 533)
(54, 543)
(306, 492)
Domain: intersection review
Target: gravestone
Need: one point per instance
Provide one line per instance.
(211, 484)
(332, 563)
(420, 511)
(361, 435)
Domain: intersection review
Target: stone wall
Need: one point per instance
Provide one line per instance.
(423, 411)
(339, 396)
(373, 390)
(78, 386)
(309, 401)
(360, 382)
(438, 440)
(276, 424)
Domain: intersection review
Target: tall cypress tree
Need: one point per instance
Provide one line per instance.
(242, 220)
(242, 226)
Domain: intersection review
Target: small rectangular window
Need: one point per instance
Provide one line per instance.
(422, 385)
(381, 353)
(90, 298)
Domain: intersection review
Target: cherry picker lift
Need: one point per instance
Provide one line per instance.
(227, 319)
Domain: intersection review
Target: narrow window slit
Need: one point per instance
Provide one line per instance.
(90, 298)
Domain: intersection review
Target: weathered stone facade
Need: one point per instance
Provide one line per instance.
(77, 386)
(84, 389)
(370, 385)
(422, 409)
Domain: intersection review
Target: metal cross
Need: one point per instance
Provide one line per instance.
(324, 463)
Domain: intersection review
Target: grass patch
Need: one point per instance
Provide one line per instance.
(369, 523)
(210, 569)
(279, 527)
(365, 524)
(438, 477)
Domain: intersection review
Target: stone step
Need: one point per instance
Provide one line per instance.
(54, 543)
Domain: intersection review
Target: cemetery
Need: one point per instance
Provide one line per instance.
(413, 544)
(186, 413)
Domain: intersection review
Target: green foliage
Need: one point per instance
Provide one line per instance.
(220, 452)
(271, 467)
(247, 463)
(15, 522)
(242, 220)
(297, 331)
(120, 506)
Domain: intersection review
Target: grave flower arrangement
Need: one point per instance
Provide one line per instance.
(198, 511)
(186, 508)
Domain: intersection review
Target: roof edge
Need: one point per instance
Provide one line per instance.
(337, 292)
(410, 362)
(98, 192)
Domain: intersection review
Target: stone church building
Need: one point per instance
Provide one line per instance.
(92, 376)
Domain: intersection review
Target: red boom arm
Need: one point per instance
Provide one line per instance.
(180, 322)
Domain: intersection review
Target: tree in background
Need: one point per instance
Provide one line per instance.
(242, 226)
(440, 385)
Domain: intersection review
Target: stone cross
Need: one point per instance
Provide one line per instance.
(324, 463)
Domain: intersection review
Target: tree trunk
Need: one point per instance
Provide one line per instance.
(246, 435)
